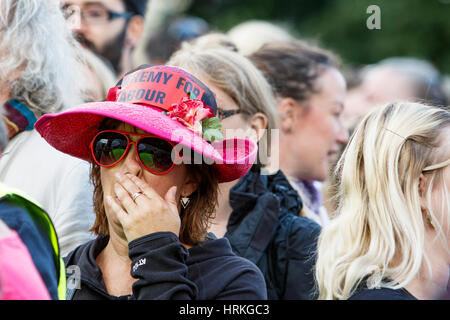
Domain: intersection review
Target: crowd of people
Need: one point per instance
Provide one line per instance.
(246, 165)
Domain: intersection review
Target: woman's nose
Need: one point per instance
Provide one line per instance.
(343, 135)
(131, 164)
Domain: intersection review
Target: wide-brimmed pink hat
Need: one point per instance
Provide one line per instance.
(162, 100)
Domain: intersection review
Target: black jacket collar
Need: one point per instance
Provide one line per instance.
(85, 256)
(258, 202)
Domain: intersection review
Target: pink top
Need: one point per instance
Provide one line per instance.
(19, 278)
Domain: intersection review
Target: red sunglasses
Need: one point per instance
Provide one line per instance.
(109, 147)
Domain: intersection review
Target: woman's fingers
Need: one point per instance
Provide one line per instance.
(124, 197)
(127, 183)
(115, 206)
(137, 192)
(149, 212)
(144, 187)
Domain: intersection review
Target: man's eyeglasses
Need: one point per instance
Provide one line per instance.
(222, 114)
(93, 13)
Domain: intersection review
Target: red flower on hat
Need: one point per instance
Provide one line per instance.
(190, 112)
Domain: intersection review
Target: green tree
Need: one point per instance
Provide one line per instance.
(419, 28)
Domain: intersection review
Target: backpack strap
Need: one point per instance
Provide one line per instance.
(265, 180)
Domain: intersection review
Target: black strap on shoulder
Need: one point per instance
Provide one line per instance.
(265, 180)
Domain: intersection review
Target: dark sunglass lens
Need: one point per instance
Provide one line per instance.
(155, 154)
(109, 147)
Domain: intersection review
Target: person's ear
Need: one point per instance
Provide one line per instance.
(422, 195)
(287, 110)
(134, 31)
(191, 184)
(258, 123)
(423, 185)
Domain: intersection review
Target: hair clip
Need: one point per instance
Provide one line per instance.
(437, 165)
(394, 133)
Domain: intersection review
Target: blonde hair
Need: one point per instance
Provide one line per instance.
(213, 40)
(36, 44)
(236, 76)
(377, 235)
(251, 35)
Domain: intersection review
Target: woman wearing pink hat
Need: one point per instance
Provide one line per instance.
(157, 157)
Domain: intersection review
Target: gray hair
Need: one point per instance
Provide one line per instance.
(429, 86)
(3, 133)
(37, 55)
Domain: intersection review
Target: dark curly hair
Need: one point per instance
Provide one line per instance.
(293, 67)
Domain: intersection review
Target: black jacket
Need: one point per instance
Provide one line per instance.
(382, 294)
(165, 269)
(265, 228)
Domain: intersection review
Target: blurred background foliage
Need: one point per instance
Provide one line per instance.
(419, 28)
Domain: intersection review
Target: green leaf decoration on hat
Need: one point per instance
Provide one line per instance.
(192, 96)
(212, 129)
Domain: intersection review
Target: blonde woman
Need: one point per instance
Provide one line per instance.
(390, 238)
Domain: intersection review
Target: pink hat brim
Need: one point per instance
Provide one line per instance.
(72, 131)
